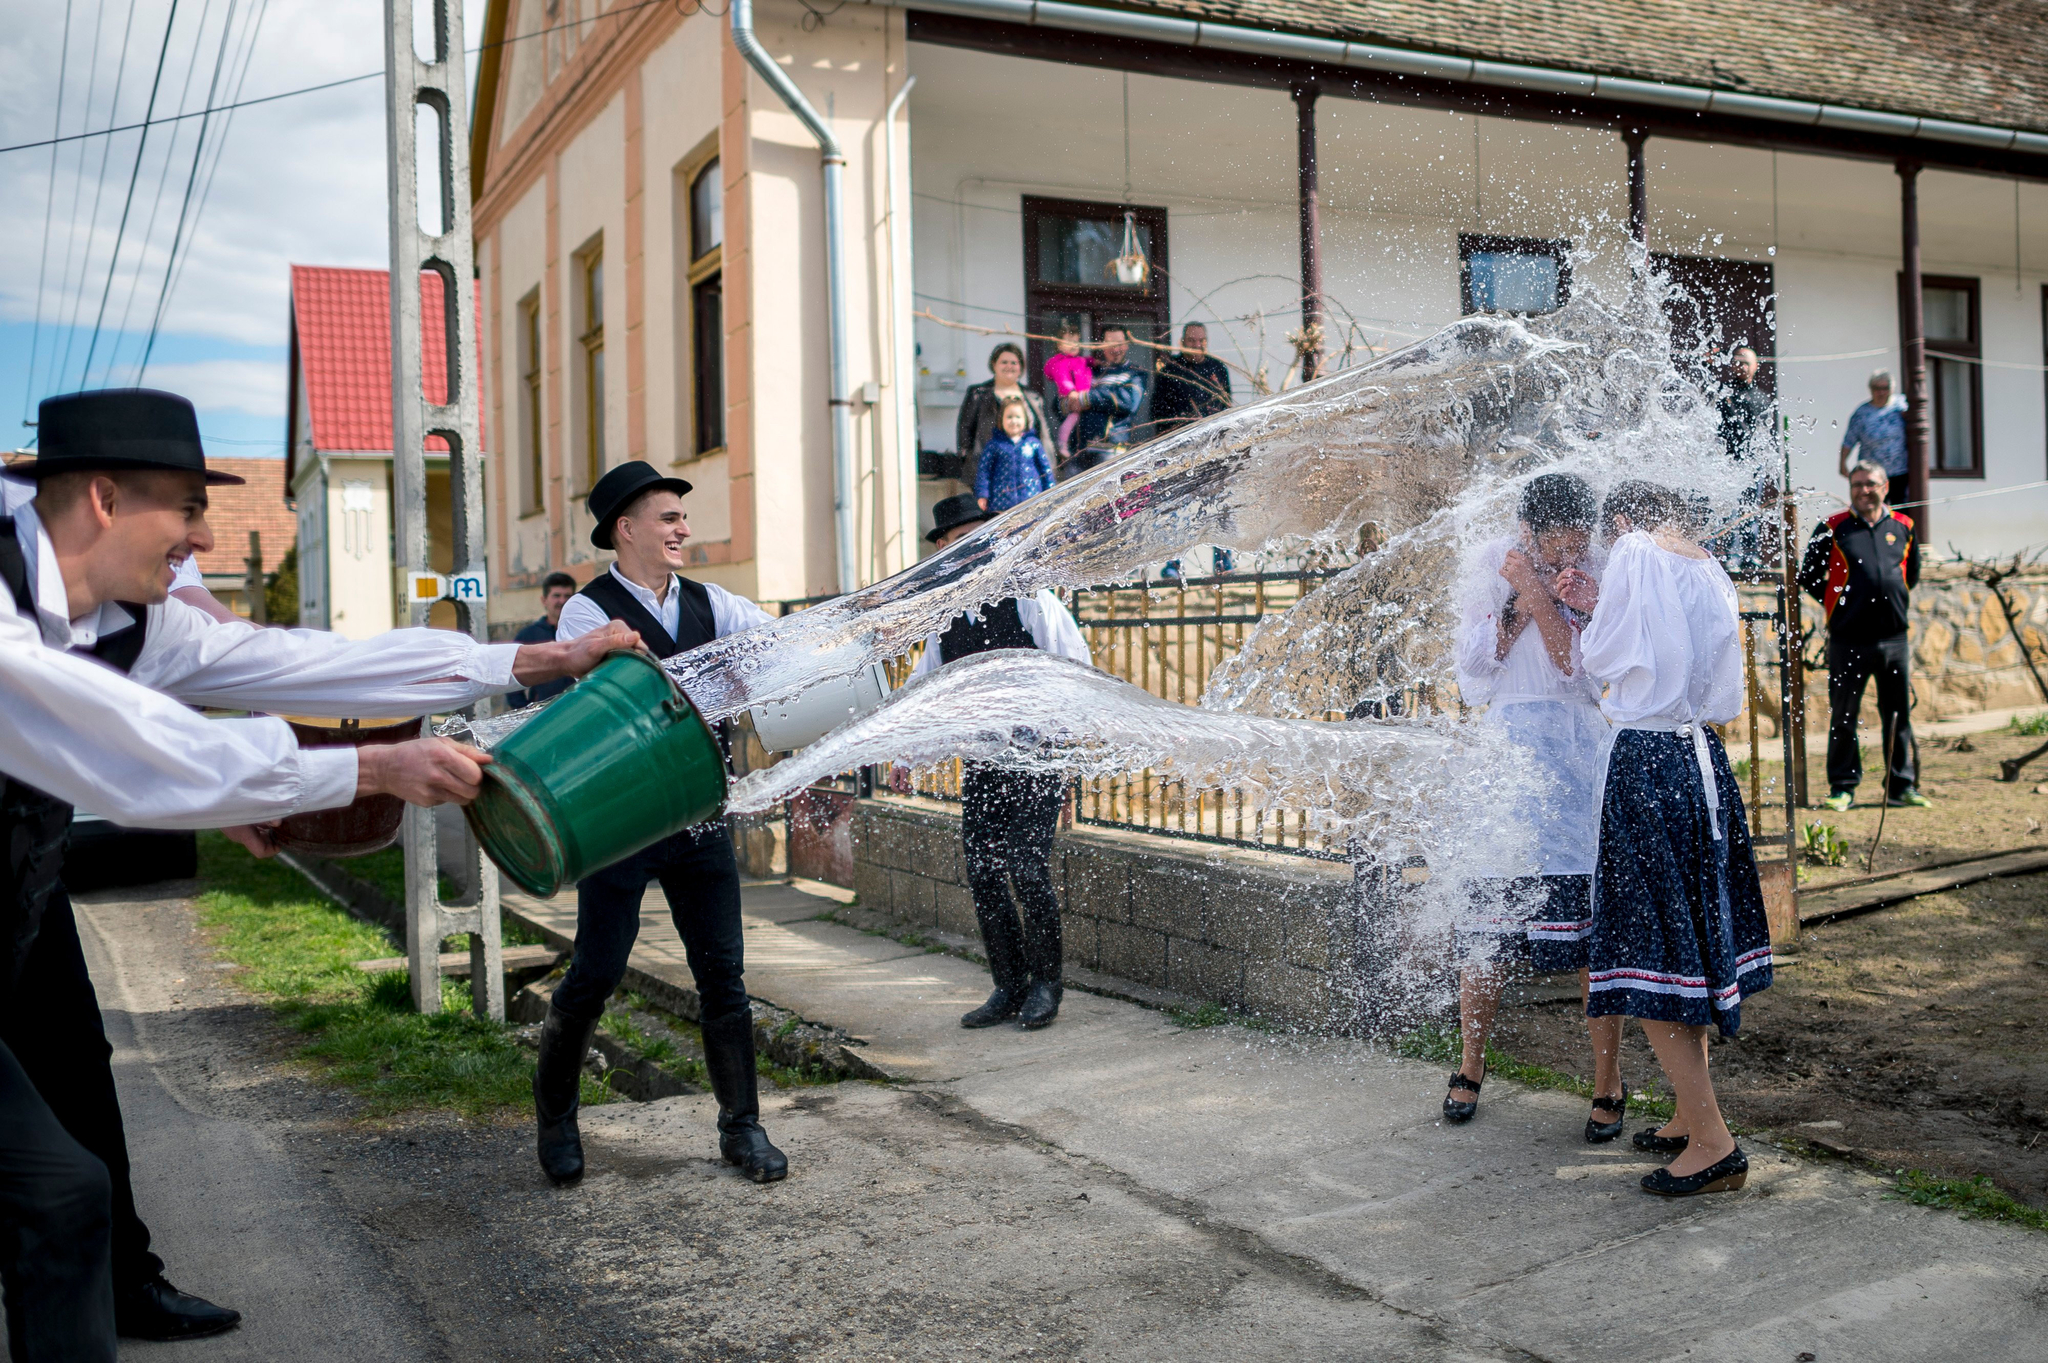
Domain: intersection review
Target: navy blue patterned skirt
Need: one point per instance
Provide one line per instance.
(1538, 921)
(1679, 932)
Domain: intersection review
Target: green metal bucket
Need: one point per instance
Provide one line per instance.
(620, 761)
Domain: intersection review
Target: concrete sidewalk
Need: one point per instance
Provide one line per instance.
(1511, 1236)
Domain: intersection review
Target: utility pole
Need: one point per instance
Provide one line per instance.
(429, 91)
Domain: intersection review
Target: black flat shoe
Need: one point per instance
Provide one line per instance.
(1655, 1144)
(1456, 1112)
(1722, 1177)
(1599, 1133)
(1002, 1005)
(156, 1310)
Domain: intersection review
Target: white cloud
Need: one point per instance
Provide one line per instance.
(256, 387)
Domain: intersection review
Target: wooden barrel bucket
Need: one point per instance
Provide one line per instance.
(368, 825)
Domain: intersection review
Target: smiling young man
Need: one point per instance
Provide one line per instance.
(98, 666)
(639, 515)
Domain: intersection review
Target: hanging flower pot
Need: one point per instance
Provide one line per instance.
(1130, 264)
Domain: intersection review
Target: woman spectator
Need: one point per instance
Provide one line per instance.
(981, 411)
(1014, 465)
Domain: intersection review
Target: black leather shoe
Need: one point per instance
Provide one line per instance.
(1456, 1112)
(1655, 1144)
(557, 1081)
(1041, 1006)
(729, 1056)
(156, 1310)
(1724, 1176)
(1001, 1007)
(1599, 1133)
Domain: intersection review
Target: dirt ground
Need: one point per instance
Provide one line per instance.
(1909, 1037)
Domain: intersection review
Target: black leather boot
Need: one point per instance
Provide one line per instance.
(1001, 1007)
(729, 1055)
(1041, 1005)
(564, 1043)
(157, 1310)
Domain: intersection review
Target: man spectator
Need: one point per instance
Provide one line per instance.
(1192, 383)
(1860, 565)
(555, 591)
(1877, 430)
(1745, 409)
(1110, 404)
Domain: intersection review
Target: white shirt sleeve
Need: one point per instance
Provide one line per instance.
(186, 574)
(579, 616)
(928, 661)
(1477, 663)
(87, 735)
(733, 614)
(1052, 627)
(202, 661)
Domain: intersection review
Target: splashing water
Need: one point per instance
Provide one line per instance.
(1423, 443)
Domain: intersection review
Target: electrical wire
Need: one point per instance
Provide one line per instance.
(92, 220)
(49, 210)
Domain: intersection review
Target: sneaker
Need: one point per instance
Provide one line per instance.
(1840, 800)
(1909, 798)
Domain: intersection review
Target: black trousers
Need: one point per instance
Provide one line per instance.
(701, 878)
(52, 1025)
(1851, 665)
(1007, 822)
(54, 1232)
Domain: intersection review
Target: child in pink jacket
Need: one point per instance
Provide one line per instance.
(1068, 371)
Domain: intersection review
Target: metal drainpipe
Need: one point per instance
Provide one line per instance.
(903, 363)
(835, 281)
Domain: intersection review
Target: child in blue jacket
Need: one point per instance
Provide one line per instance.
(1013, 465)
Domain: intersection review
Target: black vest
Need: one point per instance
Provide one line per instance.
(33, 825)
(695, 623)
(999, 627)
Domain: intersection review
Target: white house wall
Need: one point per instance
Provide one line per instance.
(592, 202)
(1398, 185)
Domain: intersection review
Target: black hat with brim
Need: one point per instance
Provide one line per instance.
(111, 430)
(617, 490)
(955, 511)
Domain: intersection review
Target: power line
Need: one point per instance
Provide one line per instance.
(191, 178)
(49, 209)
(99, 188)
(149, 111)
(613, 13)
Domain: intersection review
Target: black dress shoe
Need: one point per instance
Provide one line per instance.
(1041, 1006)
(1655, 1144)
(1599, 1133)
(1001, 1007)
(1724, 1176)
(1456, 1112)
(156, 1310)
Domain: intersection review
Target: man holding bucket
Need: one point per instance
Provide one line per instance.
(639, 515)
(94, 662)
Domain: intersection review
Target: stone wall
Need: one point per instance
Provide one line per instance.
(1965, 657)
(1264, 932)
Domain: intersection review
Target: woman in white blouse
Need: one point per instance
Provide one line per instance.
(1679, 936)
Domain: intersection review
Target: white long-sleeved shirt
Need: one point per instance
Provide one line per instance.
(1052, 629)
(127, 749)
(730, 614)
(1527, 673)
(1666, 638)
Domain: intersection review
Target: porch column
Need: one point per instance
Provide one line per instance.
(1311, 232)
(1638, 184)
(1913, 331)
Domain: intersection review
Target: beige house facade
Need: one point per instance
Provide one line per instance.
(644, 198)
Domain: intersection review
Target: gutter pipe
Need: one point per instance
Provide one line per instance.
(835, 281)
(903, 363)
(1506, 75)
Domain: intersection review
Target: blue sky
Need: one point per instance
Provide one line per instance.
(298, 181)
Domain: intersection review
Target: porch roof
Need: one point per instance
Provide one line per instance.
(1972, 61)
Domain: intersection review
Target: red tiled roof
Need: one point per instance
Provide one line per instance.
(341, 330)
(257, 505)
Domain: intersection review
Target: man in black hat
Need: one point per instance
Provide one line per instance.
(639, 515)
(90, 534)
(1007, 818)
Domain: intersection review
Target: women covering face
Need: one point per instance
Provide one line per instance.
(1679, 938)
(1519, 656)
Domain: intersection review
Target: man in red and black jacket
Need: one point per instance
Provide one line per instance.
(1860, 565)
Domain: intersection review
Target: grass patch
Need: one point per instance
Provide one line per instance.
(1442, 1045)
(298, 951)
(1974, 1198)
(2033, 726)
(385, 872)
(1201, 1015)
